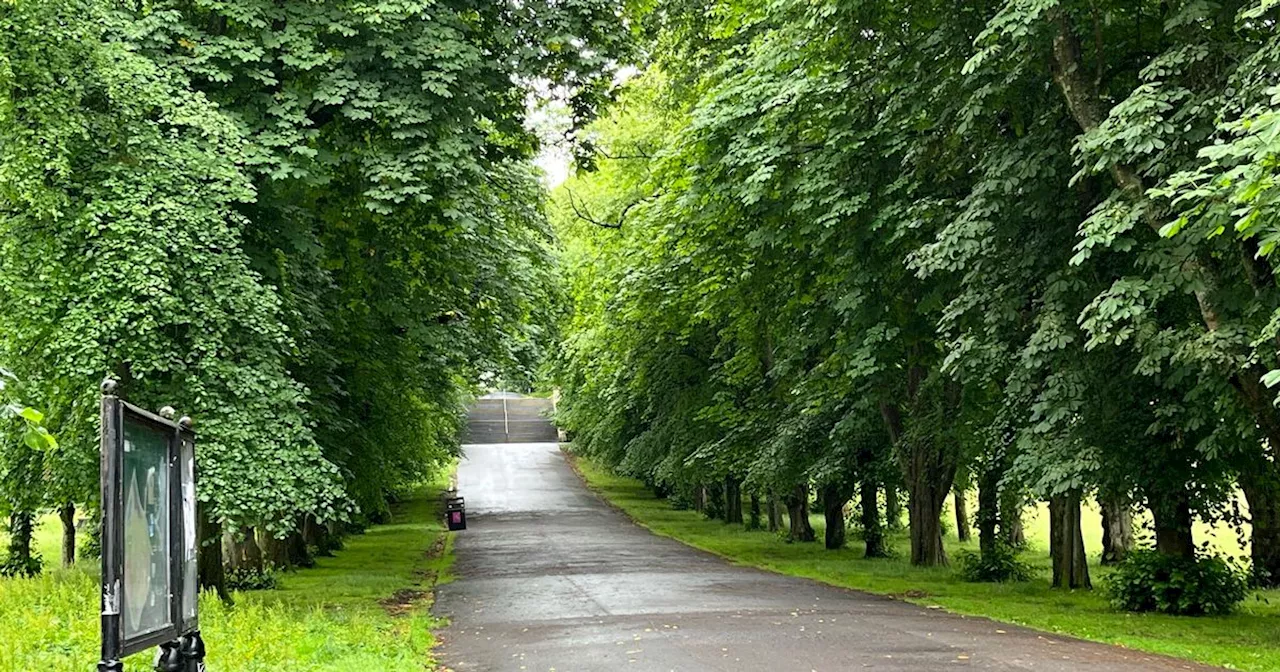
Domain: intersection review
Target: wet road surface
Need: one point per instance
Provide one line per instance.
(550, 578)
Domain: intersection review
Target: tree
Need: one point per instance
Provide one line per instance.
(310, 226)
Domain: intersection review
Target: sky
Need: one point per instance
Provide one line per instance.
(549, 118)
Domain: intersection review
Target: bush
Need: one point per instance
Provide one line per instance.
(1151, 581)
(248, 578)
(16, 566)
(1001, 565)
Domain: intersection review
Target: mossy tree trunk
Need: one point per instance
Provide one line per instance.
(962, 514)
(892, 508)
(210, 570)
(67, 515)
(1171, 515)
(1066, 543)
(754, 522)
(834, 498)
(774, 509)
(1117, 529)
(19, 561)
(798, 513)
(245, 552)
(732, 499)
(1263, 495)
(872, 532)
(1011, 530)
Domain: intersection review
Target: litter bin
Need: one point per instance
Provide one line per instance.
(455, 513)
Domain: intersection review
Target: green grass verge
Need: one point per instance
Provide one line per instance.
(366, 608)
(1247, 640)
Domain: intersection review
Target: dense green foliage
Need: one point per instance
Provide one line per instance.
(1150, 581)
(997, 565)
(863, 247)
(310, 226)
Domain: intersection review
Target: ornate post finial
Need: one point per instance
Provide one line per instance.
(109, 385)
(168, 412)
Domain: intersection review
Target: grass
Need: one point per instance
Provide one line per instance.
(367, 608)
(1247, 640)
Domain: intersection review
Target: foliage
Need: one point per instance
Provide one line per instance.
(889, 243)
(1150, 581)
(252, 578)
(314, 241)
(998, 565)
(34, 434)
(16, 565)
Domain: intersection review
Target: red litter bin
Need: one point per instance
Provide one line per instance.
(455, 513)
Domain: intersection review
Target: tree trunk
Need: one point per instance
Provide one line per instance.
(67, 514)
(798, 511)
(248, 552)
(317, 535)
(892, 508)
(928, 494)
(929, 470)
(1088, 109)
(1117, 530)
(774, 509)
(296, 549)
(1066, 543)
(19, 562)
(872, 534)
(989, 510)
(209, 568)
(699, 499)
(754, 522)
(1011, 518)
(337, 531)
(1016, 534)
(714, 502)
(834, 498)
(1260, 492)
(962, 514)
(1172, 518)
(275, 552)
(732, 499)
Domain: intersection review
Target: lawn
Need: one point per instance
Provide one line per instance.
(1247, 640)
(366, 608)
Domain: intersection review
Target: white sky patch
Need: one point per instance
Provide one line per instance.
(549, 118)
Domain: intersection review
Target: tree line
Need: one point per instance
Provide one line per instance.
(310, 226)
(868, 254)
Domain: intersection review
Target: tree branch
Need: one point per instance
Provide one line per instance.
(1085, 106)
(573, 203)
(622, 215)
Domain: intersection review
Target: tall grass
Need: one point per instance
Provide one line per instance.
(331, 618)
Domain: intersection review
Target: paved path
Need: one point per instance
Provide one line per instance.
(552, 578)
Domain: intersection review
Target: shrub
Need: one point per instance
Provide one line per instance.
(248, 578)
(1001, 565)
(1151, 581)
(17, 566)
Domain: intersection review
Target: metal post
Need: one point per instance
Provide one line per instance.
(169, 657)
(193, 652)
(110, 598)
(506, 423)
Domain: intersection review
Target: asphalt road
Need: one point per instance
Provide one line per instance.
(550, 578)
